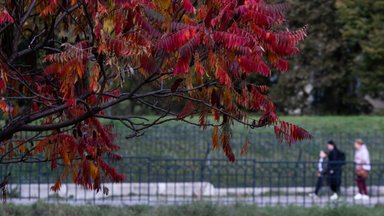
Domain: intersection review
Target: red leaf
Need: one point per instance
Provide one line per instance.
(281, 65)
(174, 41)
(176, 84)
(216, 115)
(2, 86)
(254, 66)
(199, 69)
(5, 17)
(232, 41)
(149, 64)
(290, 132)
(188, 6)
(215, 98)
(223, 77)
(182, 66)
(225, 141)
(188, 109)
(70, 102)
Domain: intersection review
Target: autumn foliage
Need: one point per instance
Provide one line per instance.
(63, 63)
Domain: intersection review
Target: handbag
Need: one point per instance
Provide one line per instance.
(362, 173)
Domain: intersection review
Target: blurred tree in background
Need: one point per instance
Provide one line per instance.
(363, 31)
(324, 80)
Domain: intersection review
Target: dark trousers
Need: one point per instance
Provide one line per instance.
(334, 182)
(362, 185)
(319, 184)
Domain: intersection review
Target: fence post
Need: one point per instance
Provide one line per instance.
(149, 179)
(304, 181)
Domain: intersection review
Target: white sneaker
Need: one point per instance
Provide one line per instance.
(365, 197)
(358, 196)
(334, 196)
(312, 195)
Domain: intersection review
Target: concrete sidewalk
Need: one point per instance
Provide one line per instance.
(259, 201)
(179, 193)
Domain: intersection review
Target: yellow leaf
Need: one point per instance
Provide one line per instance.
(163, 4)
(93, 170)
(109, 25)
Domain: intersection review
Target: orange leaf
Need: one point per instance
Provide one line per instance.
(215, 137)
(3, 106)
(203, 119)
(244, 149)
(64, 155)
(94, 84)
(56, 187)
(22, 148)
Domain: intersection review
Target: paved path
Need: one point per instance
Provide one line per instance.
(260, 201)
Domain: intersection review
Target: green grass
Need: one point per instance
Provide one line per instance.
(355, 124)
(198, 209)
(177, 140)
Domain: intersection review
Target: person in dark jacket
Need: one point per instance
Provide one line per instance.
(334, 169)
(321, 169)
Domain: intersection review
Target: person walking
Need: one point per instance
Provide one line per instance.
(336, 159)
(363, 166)
(321, 169)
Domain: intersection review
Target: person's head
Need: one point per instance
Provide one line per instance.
(323, 154)
(358, 143)
(331, 145)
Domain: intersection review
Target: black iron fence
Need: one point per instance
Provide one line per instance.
(176, 181)
(174, 165)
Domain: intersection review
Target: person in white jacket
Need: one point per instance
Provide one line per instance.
(363, 166)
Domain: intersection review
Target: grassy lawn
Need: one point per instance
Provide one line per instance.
(199, 209)
(178, 140)
(353, 124)
(358, 124)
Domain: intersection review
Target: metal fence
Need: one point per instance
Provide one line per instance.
(178, 181)
(175, 165)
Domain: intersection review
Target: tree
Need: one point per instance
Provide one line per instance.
(323, 80)
(362, 28)
(63, 64)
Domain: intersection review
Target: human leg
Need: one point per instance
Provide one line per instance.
(362, 185)
(319, 184)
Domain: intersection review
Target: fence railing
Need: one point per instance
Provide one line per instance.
(178, 181)
(176, 164)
